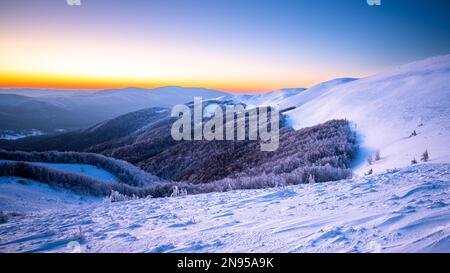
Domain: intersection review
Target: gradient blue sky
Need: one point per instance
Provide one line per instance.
(238, 45)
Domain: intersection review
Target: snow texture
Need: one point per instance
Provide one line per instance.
(400, 210)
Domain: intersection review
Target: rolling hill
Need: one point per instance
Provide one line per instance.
(50, 110)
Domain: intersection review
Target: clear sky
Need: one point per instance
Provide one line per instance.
(234, 45)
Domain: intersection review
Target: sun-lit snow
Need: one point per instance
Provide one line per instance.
(271, 98)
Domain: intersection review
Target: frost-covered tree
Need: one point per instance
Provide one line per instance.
(126, 172)
(183, 192)
(332, 143)
(311, 179)
(425, 157)
(116, 196)
(324, 152)
(175, 192)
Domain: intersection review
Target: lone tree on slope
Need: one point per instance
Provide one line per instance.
(425, 156)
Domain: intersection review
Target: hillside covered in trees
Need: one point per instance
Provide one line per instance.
(315, 154)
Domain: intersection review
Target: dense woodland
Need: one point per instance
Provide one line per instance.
(137, 148)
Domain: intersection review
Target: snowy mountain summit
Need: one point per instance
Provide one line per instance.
(401, 113)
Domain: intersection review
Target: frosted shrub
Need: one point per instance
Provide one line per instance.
(175, 192)
(178, 192)
(78, 235)
(116, 196)
(377, 155)
(183, 192)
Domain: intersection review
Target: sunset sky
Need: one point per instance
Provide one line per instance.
(232, 45)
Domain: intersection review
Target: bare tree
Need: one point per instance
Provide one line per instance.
(377, 155)
(370, 160)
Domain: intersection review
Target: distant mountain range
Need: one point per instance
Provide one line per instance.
(50, 110)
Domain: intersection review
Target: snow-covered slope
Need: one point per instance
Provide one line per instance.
(84, 169)
(313, 92)
(28, 197)
(288, 97)
(386, 109)
(403, 210)
(271, 98)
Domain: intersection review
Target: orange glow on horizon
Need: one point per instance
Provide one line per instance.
(103, 62)
(71, 82)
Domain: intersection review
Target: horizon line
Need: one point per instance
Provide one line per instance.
(93, 89)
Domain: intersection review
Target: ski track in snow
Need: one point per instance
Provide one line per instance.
(400, 210)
